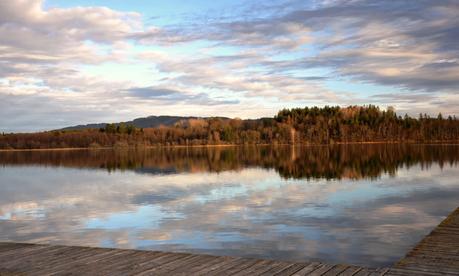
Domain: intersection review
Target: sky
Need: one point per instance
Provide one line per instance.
(67, 62)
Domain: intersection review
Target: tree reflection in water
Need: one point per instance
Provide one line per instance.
(358, 161)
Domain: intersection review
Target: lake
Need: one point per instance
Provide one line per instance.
(358, 204)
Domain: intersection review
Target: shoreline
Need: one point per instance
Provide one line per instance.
(445, 143)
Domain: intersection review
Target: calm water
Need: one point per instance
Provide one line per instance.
(358, 204)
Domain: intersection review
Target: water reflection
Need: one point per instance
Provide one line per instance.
(354, 204)
(316, 162)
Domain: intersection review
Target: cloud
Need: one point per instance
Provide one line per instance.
(153, 92)
(406, 47)
(98, 24)
(394, 43)
(240, 75)
(283, 52)
(175, 96)
(32, 36)
(35, 41)
(429, 103)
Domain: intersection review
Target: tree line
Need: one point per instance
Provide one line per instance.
(309, 125)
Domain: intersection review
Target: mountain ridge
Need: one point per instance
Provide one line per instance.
(143, 122)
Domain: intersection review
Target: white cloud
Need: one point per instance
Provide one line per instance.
(80, 57)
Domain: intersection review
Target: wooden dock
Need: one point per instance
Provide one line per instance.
(436, 254)
(30, 259)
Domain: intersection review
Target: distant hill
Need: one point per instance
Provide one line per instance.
(146, 122)
(308, 125)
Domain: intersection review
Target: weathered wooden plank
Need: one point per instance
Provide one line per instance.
(252, 268)
(428, 269)
(264, 268)
(212, 263)
(350, 271)
(282, 266)
(7, 246)
(112, 267)
(366, 272)
(94, 267)
(171, 264)
(215, 265)
(150, 261)
(185, 265)
(141, 263)
(23, 251)
(54, 261)
(227, 262)
(379, 272)
(236, 267)
(85, 262)
(184, 269)
(291, 270)
(408, 272)
(336, 270)
(321, 270)
(28, 261)
(156, 263)
(73, 261)
(308, 269)
(100, 264)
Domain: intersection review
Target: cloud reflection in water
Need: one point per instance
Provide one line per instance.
(247, 207)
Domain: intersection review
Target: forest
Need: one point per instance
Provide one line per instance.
(309, 125)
